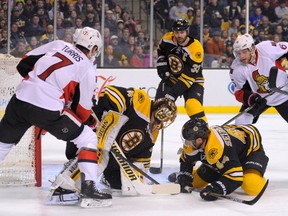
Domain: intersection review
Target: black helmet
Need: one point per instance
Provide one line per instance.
(180, 25)
(195, 128)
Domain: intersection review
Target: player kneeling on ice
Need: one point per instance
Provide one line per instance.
(128, 118)
(231, 156)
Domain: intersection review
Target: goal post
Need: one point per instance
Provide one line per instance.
(22, 166)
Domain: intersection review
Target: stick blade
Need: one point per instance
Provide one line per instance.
(155, 170)
(166, 189)
(272, 77)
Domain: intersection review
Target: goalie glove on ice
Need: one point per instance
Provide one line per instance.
(185, 180)
(217, 188)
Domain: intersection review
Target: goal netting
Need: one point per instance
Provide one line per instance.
(22, 166)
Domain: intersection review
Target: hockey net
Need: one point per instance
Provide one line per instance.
(22, 166)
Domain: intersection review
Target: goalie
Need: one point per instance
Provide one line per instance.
(232, 156)
(129, 117)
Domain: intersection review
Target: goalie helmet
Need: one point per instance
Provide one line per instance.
(165, 111)
(242, 42)
(88, 38)
(195, 128)
(180, 25)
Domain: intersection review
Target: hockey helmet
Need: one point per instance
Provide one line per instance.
(88, 38)
(165, 111)
(242, 42)
(76, 34)
(195, 128)
(180, 25)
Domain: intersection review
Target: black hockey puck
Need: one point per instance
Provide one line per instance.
(172, 177)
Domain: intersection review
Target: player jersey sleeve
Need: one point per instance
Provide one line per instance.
(112, 98)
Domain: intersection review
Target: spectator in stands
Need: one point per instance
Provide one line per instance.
(281, 10)
(48, 36)
(120, 27)
(256, 17)
(78, 23)
(3, 16)
(124, 61)
(261, 37)
(138, 58)
(43, 18)
(269, 11)
(20, 49)
(28, 9)
(89, 20)
(266, 26)
(125, 37)
(141, 41)
(70, 21)
(214, 49)
(117, 12)
(110, 60)
(177, 11)
(4, 40)
(106, 36)
(234, 27)
(189, 16)
(233, 10)
(79, 7)
(214, 14)
(33, 43)
(233, 37)
(284, 24)
(60, 28)
(97, 26)
(278, 30)
(89, 8)
(162, 8)
(21, 21)
(194, 29)
(276, 38)
(130, 23)
(110, 22)
(130, 47)
(117, 51)
(15, 36)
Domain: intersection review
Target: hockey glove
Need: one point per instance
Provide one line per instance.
(163, 70)
(92, 122)
(257, 101)
(185, 180)
(207, 192)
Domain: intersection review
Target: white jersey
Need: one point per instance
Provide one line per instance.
(267, 56)
(52, 81)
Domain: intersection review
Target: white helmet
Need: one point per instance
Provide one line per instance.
(76, 34)
(88, 38)
(242, 42)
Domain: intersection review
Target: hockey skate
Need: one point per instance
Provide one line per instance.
(93, 197)
(61, 196)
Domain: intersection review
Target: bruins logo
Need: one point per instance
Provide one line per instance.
(176, 65)
(212, 153)
(131, 139)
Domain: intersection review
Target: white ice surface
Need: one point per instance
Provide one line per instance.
(28, 201)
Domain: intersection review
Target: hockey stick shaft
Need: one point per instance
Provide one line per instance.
(157, 170)
(251, 107)
(272, 81)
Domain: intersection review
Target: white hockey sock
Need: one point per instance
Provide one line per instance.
(4, 150)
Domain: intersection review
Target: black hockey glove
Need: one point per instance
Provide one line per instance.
(163, 70)
(257, 101)
(207, 192)
(185, 180)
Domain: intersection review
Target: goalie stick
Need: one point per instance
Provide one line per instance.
(234, 199)
(272, 81)
(139, 186)
(158, 170)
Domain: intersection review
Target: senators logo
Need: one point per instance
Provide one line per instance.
(261, 81)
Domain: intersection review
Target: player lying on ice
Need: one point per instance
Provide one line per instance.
(231, 156)
(129, 117)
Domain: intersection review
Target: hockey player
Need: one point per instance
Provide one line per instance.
(136, 136)
(249, 73)
(52, 74)
(231, 156)
(179, 67)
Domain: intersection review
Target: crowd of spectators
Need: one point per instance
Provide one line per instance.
(126, 44)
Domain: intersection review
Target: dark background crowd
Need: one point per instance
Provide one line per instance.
(126, 42)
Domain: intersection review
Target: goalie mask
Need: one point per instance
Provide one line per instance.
(164, 111)
(195, 128)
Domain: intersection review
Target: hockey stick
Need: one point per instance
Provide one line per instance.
(158, 170)
(272, 81)
(251, 107)
(139, 186)
(234, 199)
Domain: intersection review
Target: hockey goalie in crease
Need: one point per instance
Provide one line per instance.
(130, 118)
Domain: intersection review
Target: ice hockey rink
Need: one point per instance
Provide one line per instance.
(24, 201)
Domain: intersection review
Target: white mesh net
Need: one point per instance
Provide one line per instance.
(18, 168)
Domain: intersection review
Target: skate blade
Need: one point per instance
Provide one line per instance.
(95, 203)
(67, 199)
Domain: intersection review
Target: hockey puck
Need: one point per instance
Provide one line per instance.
(172, 177)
